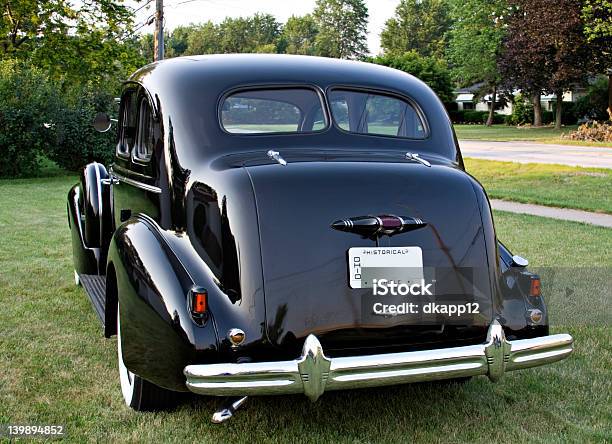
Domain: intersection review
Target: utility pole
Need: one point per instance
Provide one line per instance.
(158, 37)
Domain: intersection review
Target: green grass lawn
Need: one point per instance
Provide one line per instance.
(553, 185)
(503, 133)
(55, 366)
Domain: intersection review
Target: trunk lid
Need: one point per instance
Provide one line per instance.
(305, 270)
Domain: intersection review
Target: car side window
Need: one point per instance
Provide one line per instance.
(127, 125)
(143, 149)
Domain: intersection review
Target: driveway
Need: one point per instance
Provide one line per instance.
(527, 152)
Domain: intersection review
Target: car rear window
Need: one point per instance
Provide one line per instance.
(377, 114)
(283, 110)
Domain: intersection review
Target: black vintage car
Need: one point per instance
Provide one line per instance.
(284, 224)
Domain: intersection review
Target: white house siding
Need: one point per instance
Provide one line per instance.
(548, 101)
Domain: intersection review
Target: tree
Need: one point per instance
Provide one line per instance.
(249, 34)
(597, 18)
(523, 64)
(265, 31)
(299, 35)
(342, 28)
(203, 39)
(177, 41)
(418, 25)
(597, 15)
(554, 58)
(430, 70)
(259, 33)
(72, 40)
(475, 44)
(145, 47)
(25, 22)
(569, 56)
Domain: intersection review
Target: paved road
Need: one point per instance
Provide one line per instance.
(587, 217)
(526, 152)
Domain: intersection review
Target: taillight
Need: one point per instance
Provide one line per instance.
(535, 290)
(198, 302)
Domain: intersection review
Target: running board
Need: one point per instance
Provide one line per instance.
(95, 287)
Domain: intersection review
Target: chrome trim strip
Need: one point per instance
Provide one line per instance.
(137, 184)
(313, 373)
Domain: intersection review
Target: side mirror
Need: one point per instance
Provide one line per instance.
(102, 122)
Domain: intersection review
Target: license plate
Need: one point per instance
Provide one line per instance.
(399, 264)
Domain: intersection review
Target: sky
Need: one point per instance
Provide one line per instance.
(184, 12)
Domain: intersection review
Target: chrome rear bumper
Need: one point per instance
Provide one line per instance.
(313, 373)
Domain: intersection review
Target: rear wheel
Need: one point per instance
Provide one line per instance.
(138, 393)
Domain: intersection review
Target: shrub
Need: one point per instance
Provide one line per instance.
(77, 142)
(40, 117)
(547, 117)
(497, 118)
(456, 116)
(593, 132)
(27, 104)
(594, 104)
(474, 117)
(522, 111)
(568, 113)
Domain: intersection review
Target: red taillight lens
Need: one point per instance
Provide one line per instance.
(536, 289)
(199, 302)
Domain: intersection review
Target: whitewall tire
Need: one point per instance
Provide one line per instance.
(138, 393)
(126, 377)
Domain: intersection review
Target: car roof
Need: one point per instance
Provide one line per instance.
(227, 70)
(190, 88)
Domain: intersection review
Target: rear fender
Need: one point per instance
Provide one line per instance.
(512, 302)
(517, 303)
(159, 336)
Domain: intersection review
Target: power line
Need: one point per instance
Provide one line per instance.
(184, 2)
(148, 21)
(146, 4)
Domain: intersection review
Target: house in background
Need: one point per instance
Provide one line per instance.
(465, 100)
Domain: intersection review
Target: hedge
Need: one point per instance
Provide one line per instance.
(474, 117)
(77, 143)
(26, 102)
